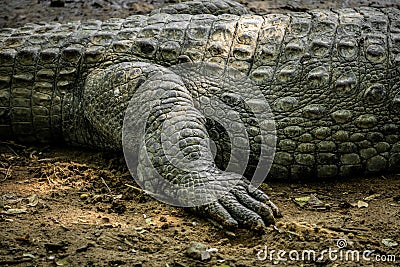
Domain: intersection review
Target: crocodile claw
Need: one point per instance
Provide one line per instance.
(243, 206)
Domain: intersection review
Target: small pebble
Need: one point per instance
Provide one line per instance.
(198, 251)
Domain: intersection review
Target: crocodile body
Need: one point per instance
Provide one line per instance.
(331, 77)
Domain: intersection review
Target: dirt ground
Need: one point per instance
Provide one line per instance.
(64, 206)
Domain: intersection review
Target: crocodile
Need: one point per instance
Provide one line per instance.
(330, 76)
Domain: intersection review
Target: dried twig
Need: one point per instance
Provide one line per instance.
(104, 182)
(12, 144)
(49, 179)
(353, 230)
(8, 172)
(51, 159)
(12, 150)
(134, 187)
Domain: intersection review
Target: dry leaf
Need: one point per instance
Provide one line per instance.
(362, 204)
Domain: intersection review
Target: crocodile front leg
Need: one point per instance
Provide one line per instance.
(150, 110)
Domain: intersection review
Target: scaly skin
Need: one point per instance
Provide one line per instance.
(331, 78)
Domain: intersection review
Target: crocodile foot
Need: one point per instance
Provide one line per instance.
(244, 206)
(166, 142)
